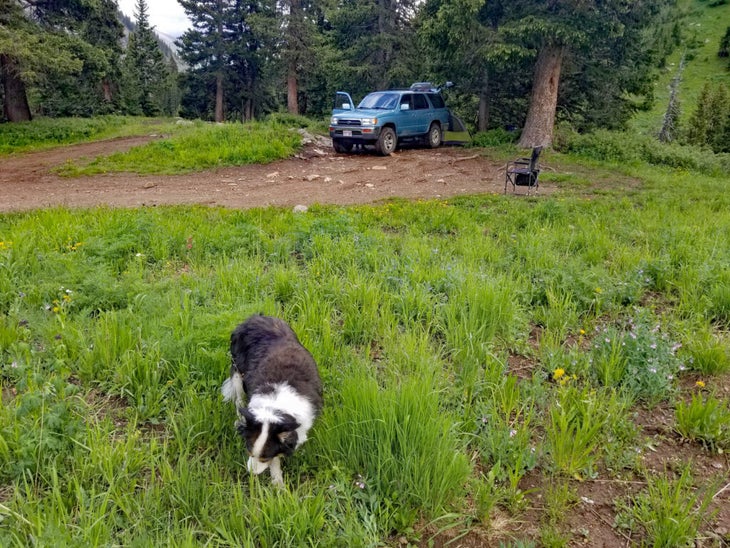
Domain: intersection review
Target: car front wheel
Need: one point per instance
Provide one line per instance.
(434, 135)
(386, 142)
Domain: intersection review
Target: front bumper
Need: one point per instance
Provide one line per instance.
(355, 134)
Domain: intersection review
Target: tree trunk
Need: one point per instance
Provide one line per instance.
(292, 85)
(483, 113)
(15, 103)
(538, 130)
(219, 97)
(292, 101)
(219, 62)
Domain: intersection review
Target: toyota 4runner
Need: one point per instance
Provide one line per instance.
(385, 118)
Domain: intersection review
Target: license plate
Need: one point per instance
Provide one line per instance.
(346, 133)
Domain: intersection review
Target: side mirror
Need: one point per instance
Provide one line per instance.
(449, 85)
(405, 106)
(345, 106)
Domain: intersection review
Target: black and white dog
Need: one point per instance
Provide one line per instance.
(280, 379)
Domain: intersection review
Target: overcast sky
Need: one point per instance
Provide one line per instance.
(167, 16)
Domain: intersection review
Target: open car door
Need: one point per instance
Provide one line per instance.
(343, 103)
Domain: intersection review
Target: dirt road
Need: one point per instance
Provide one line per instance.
(316, 175)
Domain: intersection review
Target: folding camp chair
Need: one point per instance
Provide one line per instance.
(523, 172)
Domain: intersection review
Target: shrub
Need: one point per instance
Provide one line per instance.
(638, 357)
(626, 148)
(494, 137)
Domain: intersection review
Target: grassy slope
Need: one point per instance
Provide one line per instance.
(702, 31)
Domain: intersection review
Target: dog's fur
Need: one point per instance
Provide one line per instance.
(280, 379)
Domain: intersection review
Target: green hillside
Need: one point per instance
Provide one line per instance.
(702, 29)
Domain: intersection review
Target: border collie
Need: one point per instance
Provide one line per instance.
(280, 379)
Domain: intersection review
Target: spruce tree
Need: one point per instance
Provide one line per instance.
(146, 73)
(698, 125)
(228, 50)
(717, 136)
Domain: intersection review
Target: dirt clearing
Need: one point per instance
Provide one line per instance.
(316, 175)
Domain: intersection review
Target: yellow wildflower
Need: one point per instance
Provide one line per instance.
(700, 384)
(558, 373)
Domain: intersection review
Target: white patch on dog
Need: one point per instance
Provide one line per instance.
(232, 389)
(277, 478)
(284, 399)
(255, 466)
(258, 447)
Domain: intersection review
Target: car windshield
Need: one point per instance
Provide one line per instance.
(379, 100)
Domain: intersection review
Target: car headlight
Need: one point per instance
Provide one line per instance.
(333, 121)
(369, 121)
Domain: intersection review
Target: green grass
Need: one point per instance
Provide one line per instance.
(197, 147)
(669, 511)
(49, 132)
(704, 419)
(465, 346)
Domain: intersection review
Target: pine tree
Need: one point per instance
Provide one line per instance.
(63, 54)
(717, 136)
(608, 33)
(205, 48)
(15, 30)
(375, 42)
(698, 125)
(146, 74)
(226, 57)
(465, 47)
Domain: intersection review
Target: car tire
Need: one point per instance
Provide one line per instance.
(434, 136)
(341, 146)
(387, 141)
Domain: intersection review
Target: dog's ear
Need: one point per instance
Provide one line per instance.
(288, 440)
(286, 432)
(245, 416)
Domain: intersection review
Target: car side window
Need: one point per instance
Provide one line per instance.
(407, 99)
(436, 100)
(419, 101)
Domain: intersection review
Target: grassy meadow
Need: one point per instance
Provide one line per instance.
(490, 363)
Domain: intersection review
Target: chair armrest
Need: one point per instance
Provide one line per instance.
(518, 163)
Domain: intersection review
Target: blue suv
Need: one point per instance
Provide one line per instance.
(384, 118)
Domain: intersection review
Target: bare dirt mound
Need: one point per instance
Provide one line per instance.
(316, 175)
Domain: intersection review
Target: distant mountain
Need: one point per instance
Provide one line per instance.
(166, 42)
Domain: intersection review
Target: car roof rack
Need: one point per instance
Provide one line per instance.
(424, 86)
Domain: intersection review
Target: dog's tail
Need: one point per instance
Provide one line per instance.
(232, 388)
